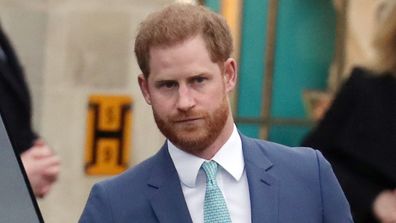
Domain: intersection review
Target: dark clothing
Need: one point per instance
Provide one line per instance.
(15, 105)
(358, 136)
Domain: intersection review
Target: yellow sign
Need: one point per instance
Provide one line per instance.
(108, 134)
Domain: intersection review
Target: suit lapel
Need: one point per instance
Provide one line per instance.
(167, 199)
(263, 187)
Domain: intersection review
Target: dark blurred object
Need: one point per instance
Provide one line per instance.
(15, 104)
(358, 133)
(358, 136)
(41, 164)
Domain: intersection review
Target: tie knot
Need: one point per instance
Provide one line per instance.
(210, 168)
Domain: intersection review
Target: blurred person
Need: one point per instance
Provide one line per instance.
(40, 163)
(358, 133)
(207, 171)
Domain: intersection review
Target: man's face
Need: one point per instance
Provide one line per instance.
(188, 94)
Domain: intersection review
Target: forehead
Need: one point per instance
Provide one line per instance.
(188, 57)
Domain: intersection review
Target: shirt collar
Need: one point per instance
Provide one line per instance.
(229, 157)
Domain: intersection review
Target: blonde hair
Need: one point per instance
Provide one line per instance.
(384, 41)
(178, 22)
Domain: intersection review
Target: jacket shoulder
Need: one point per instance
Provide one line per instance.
(110, 198)
(280, 151)
(134, 176)
(284, 160)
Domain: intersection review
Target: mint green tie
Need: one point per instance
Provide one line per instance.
(215, 207)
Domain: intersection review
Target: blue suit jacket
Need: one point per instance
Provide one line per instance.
(286, 185)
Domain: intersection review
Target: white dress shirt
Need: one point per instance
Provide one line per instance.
(231, 178)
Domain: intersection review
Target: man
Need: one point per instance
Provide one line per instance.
(40, 163)
(207, 171)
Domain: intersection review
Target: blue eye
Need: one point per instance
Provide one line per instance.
(167, 84)
(199, 79)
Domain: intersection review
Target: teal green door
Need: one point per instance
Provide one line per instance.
(272, 80)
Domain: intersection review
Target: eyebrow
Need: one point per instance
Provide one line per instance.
(198, 75)
(191, 78)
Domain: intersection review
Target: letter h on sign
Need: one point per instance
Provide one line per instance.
(108, 134)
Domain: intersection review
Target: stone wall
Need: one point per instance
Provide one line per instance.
(71, 49)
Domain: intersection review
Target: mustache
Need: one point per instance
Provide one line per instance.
(190, 115)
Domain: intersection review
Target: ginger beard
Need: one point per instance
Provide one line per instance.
(197, 136)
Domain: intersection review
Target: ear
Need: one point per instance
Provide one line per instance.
(143, 84)
(230, 74)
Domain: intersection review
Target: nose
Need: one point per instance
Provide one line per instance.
(185, 100)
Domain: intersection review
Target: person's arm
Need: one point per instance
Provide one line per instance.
(334, 203)
(41, 166)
